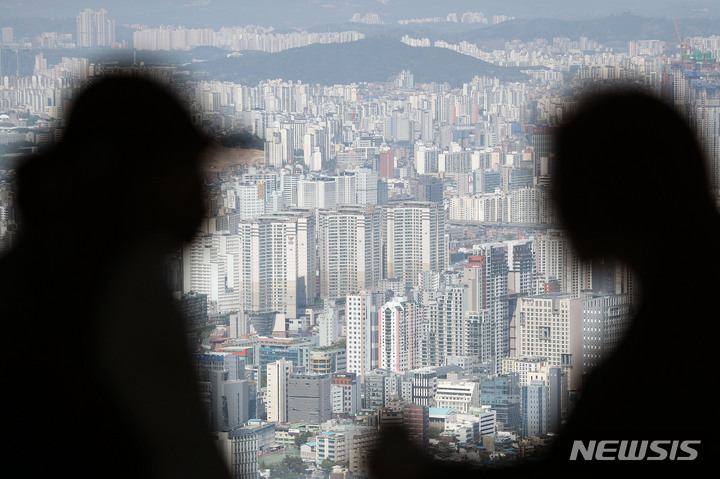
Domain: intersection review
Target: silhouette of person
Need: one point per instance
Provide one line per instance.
(97, 362)
(630, 184)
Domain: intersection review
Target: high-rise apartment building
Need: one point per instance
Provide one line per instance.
(522, 275)
(94, 29)
(361, 317)
(487, 279)
(426, 159)
(535, 409)
(398, 328)
(366, 186)
(278, 146)
(550, 326)
(350, 249)
(318, 192)
(416, 240)
(277, 262)
(385, 169)
(704, 110)
(451, 328)
(247, 198)
(346, 190)
(211, 267)
(557, 261)
(278, 373)
(605, 320)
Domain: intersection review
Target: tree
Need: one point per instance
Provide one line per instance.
(302, 438)
(291, 467)
(294, 464)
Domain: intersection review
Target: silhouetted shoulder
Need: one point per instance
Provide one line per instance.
(100, 210)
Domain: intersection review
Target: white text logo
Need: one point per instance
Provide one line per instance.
(660, 450)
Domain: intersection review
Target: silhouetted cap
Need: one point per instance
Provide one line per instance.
(129, 156)
(119, 117)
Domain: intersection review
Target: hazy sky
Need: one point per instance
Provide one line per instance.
(306, 13)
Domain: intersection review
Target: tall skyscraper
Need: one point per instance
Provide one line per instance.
(94, 29)
(350, 250)
(605, 318)
(487, 278)
(277, 262)
(535, 409)
(453, 329)
(550, 326)
(557, 262)
(361, 317)
(398, 345)
(211, 267)
(386, 162)
(416, 240)
(278, 373)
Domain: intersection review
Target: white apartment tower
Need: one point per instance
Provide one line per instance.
(416, 242)
(211, 266)
(277, 262)
(451, 328)
(94, 29)
(398, 327)
(350, 250)
(557, 262)
(550, 326)
(278, 146)
(318, 192)
(278, 373)
(361, 317)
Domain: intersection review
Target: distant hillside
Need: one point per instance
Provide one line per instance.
(612, 30)
(367, 60)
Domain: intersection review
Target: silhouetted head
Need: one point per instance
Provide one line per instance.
(127, 165)
(627, 170)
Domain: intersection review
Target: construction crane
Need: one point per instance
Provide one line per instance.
(684, 46)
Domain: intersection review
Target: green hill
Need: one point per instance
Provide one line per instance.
(371, 59)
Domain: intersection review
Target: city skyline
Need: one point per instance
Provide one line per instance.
(388, 251)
